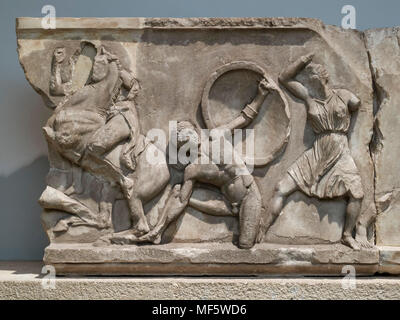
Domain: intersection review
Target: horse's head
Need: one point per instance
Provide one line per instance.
(105, 65)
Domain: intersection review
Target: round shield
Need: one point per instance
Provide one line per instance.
(228, 90)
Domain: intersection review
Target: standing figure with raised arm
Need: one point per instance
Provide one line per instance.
(327, 170)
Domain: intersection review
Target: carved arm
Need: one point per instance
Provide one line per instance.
(251, 110)
(57, 86)
(288, 75)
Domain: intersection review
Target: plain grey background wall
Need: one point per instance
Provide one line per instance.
(23, 154)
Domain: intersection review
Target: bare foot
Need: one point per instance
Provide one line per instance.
(363, 241)
(352, 243)
(152, 237)
(157, 240)
(123, 237)
(361, 237)
(365, 244)
(140, 228)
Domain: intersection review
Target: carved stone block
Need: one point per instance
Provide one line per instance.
(216, 145)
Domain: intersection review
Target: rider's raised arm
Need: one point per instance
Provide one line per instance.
(57, 86)
(287, 78)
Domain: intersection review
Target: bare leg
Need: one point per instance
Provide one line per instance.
(352, 212)
(179, 197)
(171, 211)
(211, 207)
(250, 217)
(284, 188)
(208, 173)
(187, 190)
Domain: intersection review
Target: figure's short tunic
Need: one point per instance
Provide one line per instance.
(327, 170)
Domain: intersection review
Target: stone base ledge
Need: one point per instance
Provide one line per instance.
(22, 280)
(219, 259)
(205, 259)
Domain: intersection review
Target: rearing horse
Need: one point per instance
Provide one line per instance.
(102, 136)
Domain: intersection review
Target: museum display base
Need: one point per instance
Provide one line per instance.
(218, 259)
(22, 280)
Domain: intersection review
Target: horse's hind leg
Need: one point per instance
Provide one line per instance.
(135, 204)
(139, 221)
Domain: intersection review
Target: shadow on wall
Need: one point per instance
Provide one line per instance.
(21, 234)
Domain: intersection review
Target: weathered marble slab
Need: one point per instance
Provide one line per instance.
(325, 125)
